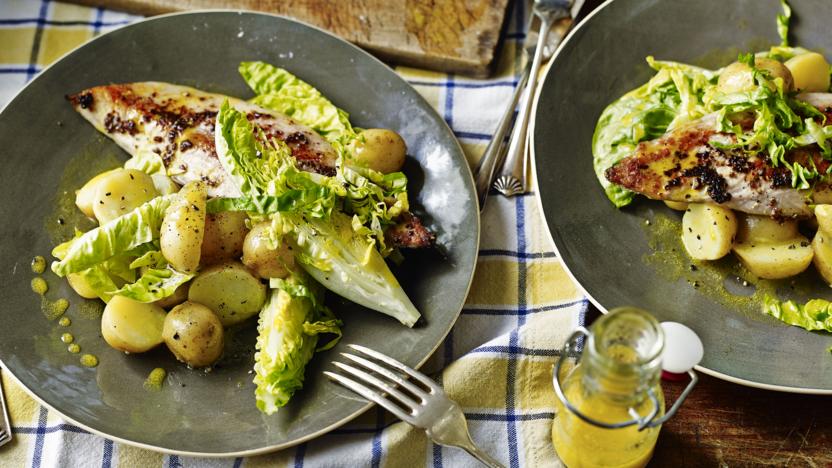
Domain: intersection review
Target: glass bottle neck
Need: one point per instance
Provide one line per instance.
(622, 357)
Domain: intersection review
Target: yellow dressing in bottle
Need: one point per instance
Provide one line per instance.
(619, 364)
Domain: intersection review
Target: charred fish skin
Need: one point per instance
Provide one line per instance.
(178, 122)
(688, 164)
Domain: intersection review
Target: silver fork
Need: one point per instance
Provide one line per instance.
(426, 407)
(512, 178)
(5, 427)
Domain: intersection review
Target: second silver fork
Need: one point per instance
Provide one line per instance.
(419, 401)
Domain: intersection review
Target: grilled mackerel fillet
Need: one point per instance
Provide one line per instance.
(178, 123)
(684, 166)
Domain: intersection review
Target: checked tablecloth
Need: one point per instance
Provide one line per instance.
(497, 360)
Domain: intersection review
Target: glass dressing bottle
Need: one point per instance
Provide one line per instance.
(610, 405)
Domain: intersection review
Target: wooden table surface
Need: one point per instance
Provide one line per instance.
(724, 424)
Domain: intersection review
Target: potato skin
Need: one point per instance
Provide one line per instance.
(194, 334)
(183, 228)
(225, 233)
(822, 247)
(132, 326)
(764, 229)
(737, 77)
(230, 291)
(264, 261)
(179, 296)
(381, 150)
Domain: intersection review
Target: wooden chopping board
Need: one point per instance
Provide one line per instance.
(459, 36)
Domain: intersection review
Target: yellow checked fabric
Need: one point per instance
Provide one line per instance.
(496, 362)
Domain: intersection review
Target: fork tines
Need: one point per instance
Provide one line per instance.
(4, 437)
(390, 389)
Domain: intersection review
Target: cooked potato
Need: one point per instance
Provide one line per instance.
(764, 229)
(193, 334)
(823, 214)
(183, 228)
(676, 205)
(80, 285)
(810, 72)
(737, 77)
(775, 260)
(225, 233)
(132, 326)
(119, 192)
(265, 261)
(84, 197)
(822, 248)
(179, 296)
(230, 290)
(381, 150)
(708, 230)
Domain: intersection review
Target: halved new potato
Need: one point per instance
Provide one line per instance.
(822, 247)
(184, 227)
(810, 72)
(823, 214)
(230, 291)
(85, 195)
(775, 260)
(764, 229)
(708, 230)
(132, 326)
(119, 192)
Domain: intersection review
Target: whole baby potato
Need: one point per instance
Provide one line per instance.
(262, 259)
(194, 334)
(381, 150)
(230, 290)
(737, 77)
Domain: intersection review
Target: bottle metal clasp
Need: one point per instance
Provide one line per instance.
(647, 421)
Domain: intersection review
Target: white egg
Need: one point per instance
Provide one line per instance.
(682, 348)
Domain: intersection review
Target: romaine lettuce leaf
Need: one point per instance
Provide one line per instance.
(348, 264)
(118, 236)
(672, 97)
(158, 281)
(288, 330)
(279, 90)
(814, 315)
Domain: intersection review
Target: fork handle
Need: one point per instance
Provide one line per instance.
(494, 152)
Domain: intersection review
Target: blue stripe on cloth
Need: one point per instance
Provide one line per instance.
(437, 456)
(511, 253)
(48, 22)
(31, 69)
(33, 59)
(513, 449)
(526, 311)
(448, 355)
(299, 454)
(37, 452)
(238, 462)
(376, 445)
(449, 100)
(470, 135)
(96, 25)
(513, 350)
(504, 417)
(48, 429)
(174, 462)
(107, 456)
(462, 84)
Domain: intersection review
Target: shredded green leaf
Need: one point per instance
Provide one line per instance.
(783, 23)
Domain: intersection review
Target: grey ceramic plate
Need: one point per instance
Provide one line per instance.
(607, 250)
(47, 149)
